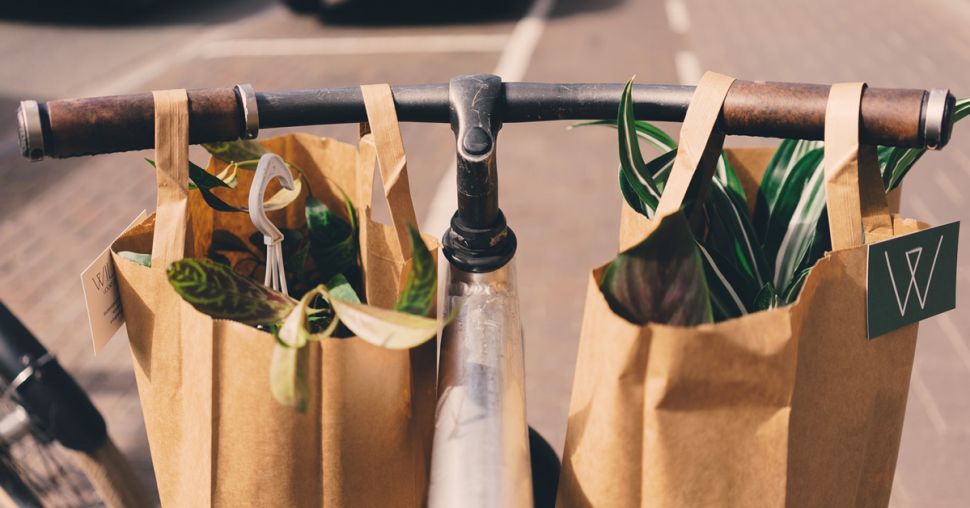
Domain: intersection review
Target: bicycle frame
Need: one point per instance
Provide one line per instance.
(54, 402)
(480, 455)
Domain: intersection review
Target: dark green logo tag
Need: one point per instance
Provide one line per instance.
(911, 278)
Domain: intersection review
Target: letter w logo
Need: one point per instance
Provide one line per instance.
(913, 257)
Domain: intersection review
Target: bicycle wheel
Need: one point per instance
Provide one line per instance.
(35, 470)
(52, 438)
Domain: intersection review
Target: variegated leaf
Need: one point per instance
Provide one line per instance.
(218, 291)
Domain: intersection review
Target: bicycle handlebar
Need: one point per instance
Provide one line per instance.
(72, 127)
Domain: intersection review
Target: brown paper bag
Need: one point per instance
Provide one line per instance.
(785, 407)
(216, 434)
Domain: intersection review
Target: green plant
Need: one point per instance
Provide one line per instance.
(239, 154)
(752, 262)
(323, 274)
(222, 293)
(325, 247)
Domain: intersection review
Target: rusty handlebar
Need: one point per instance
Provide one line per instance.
(72, 127)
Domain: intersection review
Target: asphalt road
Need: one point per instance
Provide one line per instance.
(558, 187)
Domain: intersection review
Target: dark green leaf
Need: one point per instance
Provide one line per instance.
(219, 258)
(724, 173)
(659, 168)
(732, 291)
(821, 243)
(421, 287)
(663, 142)
(780, 167)
(661, 279)
(236, 151)
(294, 264)
(223, 240)
(767, 298)
(731, 234)
(218, 291)
(325, 226)
(333, 242)
(631, 162)
(794, 219)
(205, 182)
(789, 195)
(630, 196)
(795, 286)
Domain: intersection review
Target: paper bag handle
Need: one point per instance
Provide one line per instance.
(700, 142)
(171, 175)
(857, 207)
(381, 140)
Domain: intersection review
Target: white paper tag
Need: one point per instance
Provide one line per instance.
(101, 295)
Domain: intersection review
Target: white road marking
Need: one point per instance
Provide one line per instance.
(512, 65)
(445, 43)
(514, 61)
(156, 65)
(949, 188)
(925, 398)
(677, 17)
(688, 67)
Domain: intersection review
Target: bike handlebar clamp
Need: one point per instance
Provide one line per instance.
(479, 240)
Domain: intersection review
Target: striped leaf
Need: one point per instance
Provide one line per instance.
(724, 173)
(821, 243)
(730, 234)
(796, 230)
(788, 154)
(783, 208)
(790, 294)
(663, 142)
(735, 234)
(630, 195)
(767, 298)
(631, 161)
(727, 296)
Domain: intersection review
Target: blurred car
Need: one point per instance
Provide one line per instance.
(412, 7)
